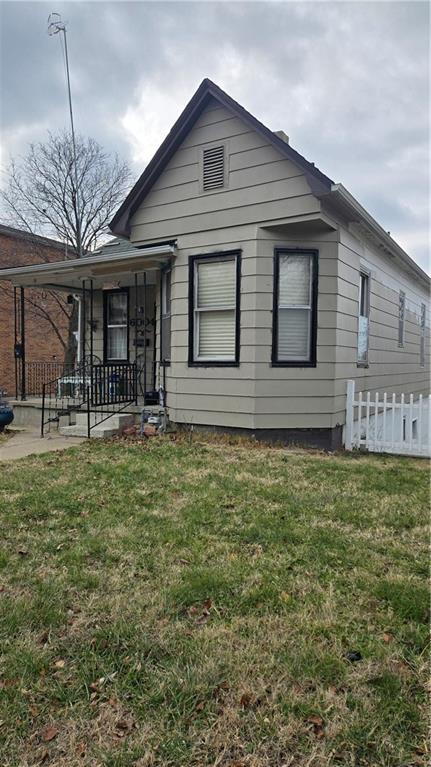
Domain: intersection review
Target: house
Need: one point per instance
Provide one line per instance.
(247, 286)
(47, 320)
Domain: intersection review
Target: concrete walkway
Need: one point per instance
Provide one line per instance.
(24, 442)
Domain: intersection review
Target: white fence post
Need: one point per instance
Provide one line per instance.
(403, 428)
(350, 403)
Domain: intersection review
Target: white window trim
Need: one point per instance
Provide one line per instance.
(198, 310)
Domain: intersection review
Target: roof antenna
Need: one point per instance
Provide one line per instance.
(56, 25)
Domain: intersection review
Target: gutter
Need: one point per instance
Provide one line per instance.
(356, 213)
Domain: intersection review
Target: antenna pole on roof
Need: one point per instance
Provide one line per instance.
(56, 25)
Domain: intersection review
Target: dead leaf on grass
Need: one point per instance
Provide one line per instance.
(49, 733)
(317, 725)
(246, 700)
(60, 663)
(81, 749)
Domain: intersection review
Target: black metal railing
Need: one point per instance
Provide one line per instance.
(62, 395)
(101, 389)
(113, 383)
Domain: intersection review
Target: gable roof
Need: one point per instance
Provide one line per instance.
(333, 195)
(319, 183)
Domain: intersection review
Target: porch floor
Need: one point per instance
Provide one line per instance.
(28, 413)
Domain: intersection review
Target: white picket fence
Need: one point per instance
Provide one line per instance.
(385, 424)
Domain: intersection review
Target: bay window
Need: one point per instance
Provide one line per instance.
(214, 309)
(295, 308)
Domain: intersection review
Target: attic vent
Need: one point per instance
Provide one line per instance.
(213, 168)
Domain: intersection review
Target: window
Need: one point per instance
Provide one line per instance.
(213, 168)
(401, 317)
(214, 309)
(364, 318)
(295, 308)
(422, 336)
(165, 325)
(116, 325)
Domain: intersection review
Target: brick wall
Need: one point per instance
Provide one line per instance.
(42, 344)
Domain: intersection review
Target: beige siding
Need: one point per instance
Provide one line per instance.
(391, 368)
(265, 193)
(297, 397)
(262, 186)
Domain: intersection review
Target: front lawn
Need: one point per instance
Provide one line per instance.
(213, 605)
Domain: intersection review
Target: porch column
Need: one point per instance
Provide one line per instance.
(145, 334)
(84, 323)
(91, 321)
(135, 383)
(22, 307)
(15, 316)
(91, 341)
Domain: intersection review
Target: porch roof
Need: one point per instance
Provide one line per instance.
(69, 274)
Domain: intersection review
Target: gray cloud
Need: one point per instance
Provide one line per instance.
(348, 82)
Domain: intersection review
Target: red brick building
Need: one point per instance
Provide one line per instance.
(46, 313)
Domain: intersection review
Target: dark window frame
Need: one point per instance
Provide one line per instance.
(107, 293)
(401, 318)
(422, 336)
(311, 362)
(219, 256)
(363, 272)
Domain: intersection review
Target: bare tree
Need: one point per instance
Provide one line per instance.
(40, 196)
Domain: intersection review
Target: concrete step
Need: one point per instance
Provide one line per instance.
(81, 431)
(112, 426)
(115, 421)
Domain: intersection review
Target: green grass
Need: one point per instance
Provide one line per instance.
(174, 605)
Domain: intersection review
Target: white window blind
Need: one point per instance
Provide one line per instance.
(215, 310)
(294, 307)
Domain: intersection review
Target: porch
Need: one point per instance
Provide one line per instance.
(119, 365)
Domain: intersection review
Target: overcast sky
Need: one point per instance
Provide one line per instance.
(347, 81)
